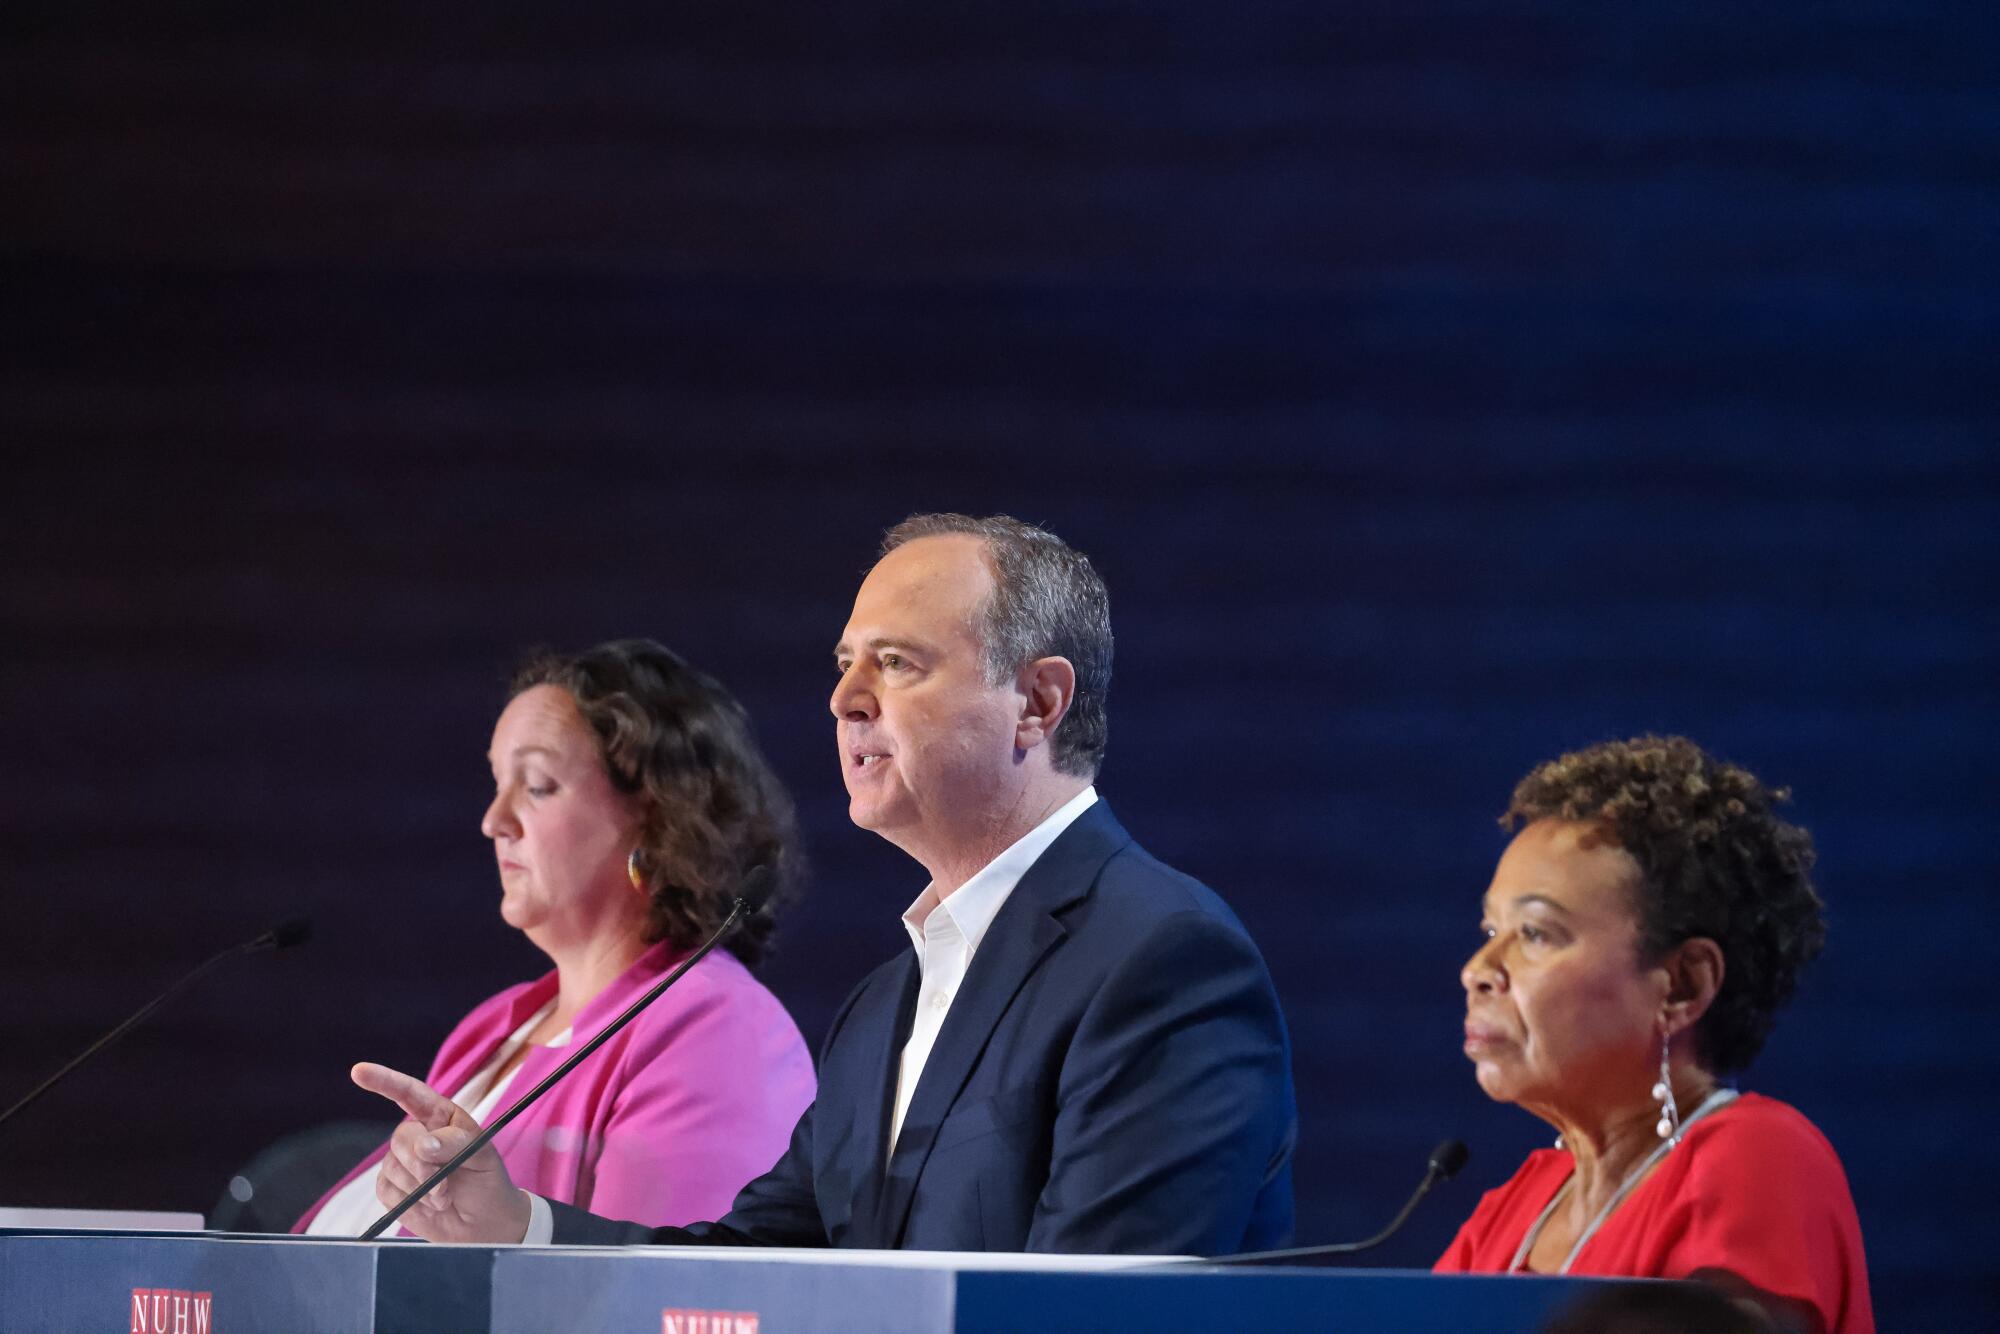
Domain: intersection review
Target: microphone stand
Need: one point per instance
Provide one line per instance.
(279, 937)
(1445, 1161)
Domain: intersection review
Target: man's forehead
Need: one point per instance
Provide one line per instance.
(928, 585)
(941, 559)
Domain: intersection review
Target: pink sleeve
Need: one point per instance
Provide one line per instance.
(466, 1028)
(709, 1097)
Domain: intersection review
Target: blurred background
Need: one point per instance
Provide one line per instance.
(1437, 387)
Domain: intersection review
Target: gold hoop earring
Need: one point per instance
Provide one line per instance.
(633, 873)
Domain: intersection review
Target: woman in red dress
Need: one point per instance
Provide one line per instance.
(1642, 930)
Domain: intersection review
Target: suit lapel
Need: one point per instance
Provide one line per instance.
(1022, 934)
(901, 994)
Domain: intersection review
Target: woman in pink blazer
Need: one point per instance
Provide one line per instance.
(630, 802)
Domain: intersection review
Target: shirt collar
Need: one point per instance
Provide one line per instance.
(974, 904)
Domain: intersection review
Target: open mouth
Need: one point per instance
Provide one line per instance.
(868, 759)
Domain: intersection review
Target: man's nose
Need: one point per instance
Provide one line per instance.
(852, 699)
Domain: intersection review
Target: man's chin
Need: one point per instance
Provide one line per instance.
(875, 815)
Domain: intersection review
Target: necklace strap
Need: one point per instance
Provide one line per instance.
(1718, 1099)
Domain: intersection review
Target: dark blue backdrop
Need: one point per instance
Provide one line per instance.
(1437, 387)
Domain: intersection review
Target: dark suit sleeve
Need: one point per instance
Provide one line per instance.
(776, 1209)
(779, 1208)
(1174, 1107)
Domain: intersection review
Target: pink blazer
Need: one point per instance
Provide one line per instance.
(666, 1121)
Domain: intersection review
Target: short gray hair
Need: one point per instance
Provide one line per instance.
(1047, 602)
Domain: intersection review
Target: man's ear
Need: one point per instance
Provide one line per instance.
(1694, 977)
(1048, 687)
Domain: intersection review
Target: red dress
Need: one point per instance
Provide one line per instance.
(1753, 1188)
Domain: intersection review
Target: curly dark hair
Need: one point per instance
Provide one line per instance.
(1715, 861)
(714, 810)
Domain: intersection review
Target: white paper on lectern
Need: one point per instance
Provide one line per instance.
(105, 1220)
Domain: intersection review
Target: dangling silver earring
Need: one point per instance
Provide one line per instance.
(1669, 1128)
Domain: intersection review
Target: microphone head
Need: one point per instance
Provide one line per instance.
(755, 891)
(1447, 1158)
(292, 931)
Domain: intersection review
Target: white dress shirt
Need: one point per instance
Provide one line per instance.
(946, 933)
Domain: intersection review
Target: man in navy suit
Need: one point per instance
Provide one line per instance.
(1083, 1051)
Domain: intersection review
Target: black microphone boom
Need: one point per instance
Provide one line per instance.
(1445, 1161)
(290, 932)
(750, 897)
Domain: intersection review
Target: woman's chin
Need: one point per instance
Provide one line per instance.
(1495, 1083)
(517, 913)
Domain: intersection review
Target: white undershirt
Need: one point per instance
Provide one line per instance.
(946, 933)
(354, 1206)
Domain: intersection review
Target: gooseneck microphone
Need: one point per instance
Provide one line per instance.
(1445, 1161)
(293, 931)
(750, 896)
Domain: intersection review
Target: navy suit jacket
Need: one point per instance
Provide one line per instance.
(1113, 1076)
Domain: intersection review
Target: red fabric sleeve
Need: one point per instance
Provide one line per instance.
(1800, 1242)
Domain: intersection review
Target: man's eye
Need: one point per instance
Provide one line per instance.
(893, 661)
(541, 789)
(1533, 934)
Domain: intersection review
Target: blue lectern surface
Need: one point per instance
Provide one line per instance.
(193, 1284)
(696, 1291)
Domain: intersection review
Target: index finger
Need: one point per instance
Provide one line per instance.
(416, 1098)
